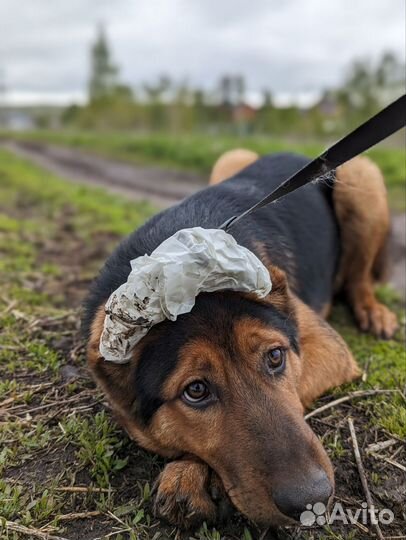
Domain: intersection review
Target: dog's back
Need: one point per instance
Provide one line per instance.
(299, 234)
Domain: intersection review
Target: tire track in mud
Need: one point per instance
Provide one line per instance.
(162, 187)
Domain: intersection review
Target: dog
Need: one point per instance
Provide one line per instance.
(222, 390)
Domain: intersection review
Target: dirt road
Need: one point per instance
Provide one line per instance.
(163, 187)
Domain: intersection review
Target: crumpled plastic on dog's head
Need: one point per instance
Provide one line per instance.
(166, 283)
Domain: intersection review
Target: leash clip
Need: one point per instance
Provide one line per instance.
(227, 224)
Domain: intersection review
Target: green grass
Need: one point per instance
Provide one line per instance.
(49, 230)
(53, 433)
(93, 209)
(199, 152)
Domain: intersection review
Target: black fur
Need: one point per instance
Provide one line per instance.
(300, 235)
(300, 231)
(212, 318)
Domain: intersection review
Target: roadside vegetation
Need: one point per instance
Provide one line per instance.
(66, 469)
(199, 152)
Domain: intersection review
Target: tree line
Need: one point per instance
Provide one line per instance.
(167, 105)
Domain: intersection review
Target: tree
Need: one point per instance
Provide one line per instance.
(226, 87)
(103, 78)
(390, 70)
(232, 90)
(369, 86)
(156, 106)
(200, 109)
(239, 86)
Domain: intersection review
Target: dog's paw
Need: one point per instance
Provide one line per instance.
(182, 496)
(376, 318)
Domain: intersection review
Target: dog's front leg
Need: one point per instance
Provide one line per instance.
(188, 493)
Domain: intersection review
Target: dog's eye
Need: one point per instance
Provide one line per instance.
(196, 392)
(276, 359)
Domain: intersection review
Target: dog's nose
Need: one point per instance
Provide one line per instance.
(295, 498)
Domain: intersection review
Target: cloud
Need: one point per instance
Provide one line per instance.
(287, 45)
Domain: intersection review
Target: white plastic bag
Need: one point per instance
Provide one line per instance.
(165, 284)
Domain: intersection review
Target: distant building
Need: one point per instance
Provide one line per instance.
(27, 117)
(16, 120)
(243, 113)
(328, 105)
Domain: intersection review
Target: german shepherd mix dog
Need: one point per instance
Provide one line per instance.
(222, 390)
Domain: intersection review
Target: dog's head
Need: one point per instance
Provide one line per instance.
(227, 383)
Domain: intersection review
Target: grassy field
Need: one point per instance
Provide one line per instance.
(66, 468)
(199, 152)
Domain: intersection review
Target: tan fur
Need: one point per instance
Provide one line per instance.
(207, 440)
(361, 207)
(93, 344)
(230, 163)
(325, 310)
(177, 429)
(280, 297)
(326, 360)
(117, 382)
(185, 481)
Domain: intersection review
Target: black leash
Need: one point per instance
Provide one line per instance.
(374, 130)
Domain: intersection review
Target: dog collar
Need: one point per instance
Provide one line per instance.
(165, 284)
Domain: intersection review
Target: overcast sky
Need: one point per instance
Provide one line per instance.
(293, 47)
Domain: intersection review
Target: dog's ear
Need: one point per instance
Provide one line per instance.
(280, 296)
(118, 383)
(116, 380)
(326, 360)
